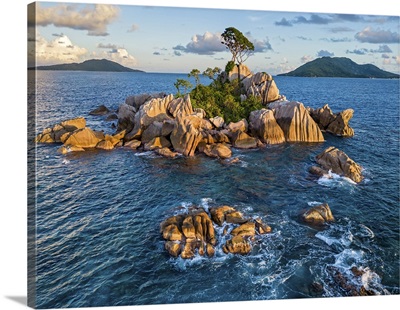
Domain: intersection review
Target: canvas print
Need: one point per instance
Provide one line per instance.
(182, 155)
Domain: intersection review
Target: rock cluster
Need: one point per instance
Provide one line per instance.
(188, 234)
(335, 160)
(75, 136)
(170, 126)
(337, 124)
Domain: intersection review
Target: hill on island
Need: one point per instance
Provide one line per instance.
(339, 67)
(89, 65)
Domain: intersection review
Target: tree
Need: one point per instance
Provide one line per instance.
(182, 83)
(238, 45)
(195, 73)
(210, 73)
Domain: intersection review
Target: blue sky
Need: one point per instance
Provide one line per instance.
(166, 39)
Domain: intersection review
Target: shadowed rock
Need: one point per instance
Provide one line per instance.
(262, 124)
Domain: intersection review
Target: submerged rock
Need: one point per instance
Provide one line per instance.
(338, 162)
(101, 110)
(237, 245)
(318, 215)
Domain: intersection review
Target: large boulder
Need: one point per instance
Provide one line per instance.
(247, 229)
(137, 101)
(152, 131)
(243, 70)
(84, 138)
(217, 121)
(296, 122)
(262, 124)
(340, 126)
(241, 125)
(337, 124)
(154, 110)
(186, 135)
(157, 143)
(126, 117)
(338, 162)
(59, 132)
(263, 86)
(242, 140)
(218, 214)
(181, 107)
(318, 215)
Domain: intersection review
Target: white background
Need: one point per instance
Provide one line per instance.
(13, 206)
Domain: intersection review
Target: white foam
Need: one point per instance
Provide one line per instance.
(348, 258)
(65, 161)
(146, 154)
(332, 179)
(314, 203)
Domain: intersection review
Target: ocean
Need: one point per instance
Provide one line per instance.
(98, 212)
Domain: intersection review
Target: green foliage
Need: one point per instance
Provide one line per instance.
(195, 73)
(222, 99)
(238, 44)
(211, 73)
(229, 66)
(182, 83)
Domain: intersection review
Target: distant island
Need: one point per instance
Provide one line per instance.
(89, 65)
(339, 67)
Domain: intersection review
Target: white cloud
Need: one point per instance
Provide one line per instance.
(306, 58)
(93, 18)
(370, 35)
(206, 44)
(59, 50)
(119, 55)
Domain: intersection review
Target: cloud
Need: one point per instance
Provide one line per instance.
(121, 56)
(340, 29)
(361, 51)
(324, 19)
(59, 50)
(206, 44)
(382, 49)
(133, 28)
(112, 46)
(303, 38)
(386, 61)
(324, 53)
(284, 22)
(335, 40)
(261, 46)
(385, 56)
(93, 18)
(397, 58)
(370, 35)
(314, 19)
(306, 58)
(157, 53)
(177, 53)
(219, 58)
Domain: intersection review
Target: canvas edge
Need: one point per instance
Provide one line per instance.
(31, 171)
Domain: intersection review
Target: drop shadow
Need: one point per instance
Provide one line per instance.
(18, 299)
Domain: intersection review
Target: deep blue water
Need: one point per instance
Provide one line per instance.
(98, 212)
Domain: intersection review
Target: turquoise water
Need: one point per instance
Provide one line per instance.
(98, 212)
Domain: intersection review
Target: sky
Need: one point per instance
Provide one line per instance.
(173, 39)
